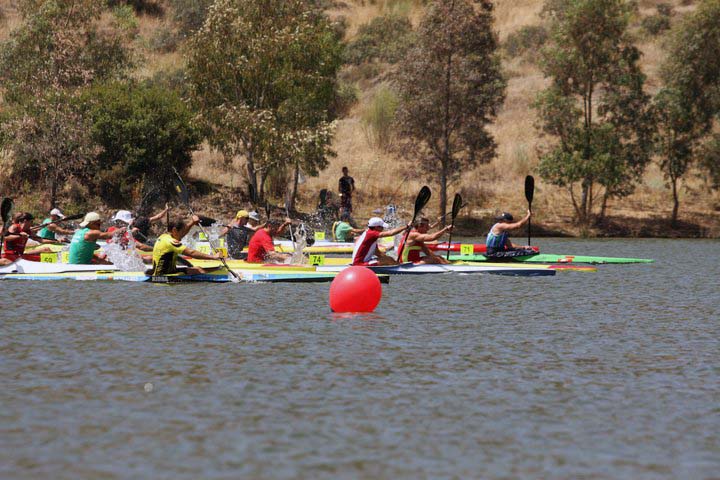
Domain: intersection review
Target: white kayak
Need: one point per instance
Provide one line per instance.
(26, 266)
(413, 269)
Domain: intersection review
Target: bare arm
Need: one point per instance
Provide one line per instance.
(55, 228)
(159, 216)
(94, 235)
(199, 255)
(512, 226)
(431, 237)
(394, 231)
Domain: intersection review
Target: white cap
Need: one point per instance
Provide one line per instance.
(56, 212)
(89, 218)
(123, 216)
(377, 222)
(254, 216)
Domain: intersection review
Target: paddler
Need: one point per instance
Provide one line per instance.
(237, 234)
(168, 247)
(499, 245)
(415, 244)
(84, 241)
(262, 248)
(17, 237)
(50, 229)
(343, 231)
(124, 218)
(366, 251)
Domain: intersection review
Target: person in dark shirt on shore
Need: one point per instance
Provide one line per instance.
(346, 187)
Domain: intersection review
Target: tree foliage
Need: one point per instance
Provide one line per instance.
(143, 133)
(384, 39)
(595, 107)
(263, 76)
(450, 88)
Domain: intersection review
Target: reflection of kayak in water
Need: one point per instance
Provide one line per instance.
(455, 247)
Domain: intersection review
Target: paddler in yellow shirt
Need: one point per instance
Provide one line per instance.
(168, 248)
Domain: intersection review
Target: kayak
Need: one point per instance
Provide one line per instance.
(27, 266)
(456, 247)
(554, 258)
(413, 269)
(334, 261)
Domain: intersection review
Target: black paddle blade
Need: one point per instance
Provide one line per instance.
(206, 221)
(422, 199)
(6, 209)
(529, 188)
(181, 190)
(457, 205)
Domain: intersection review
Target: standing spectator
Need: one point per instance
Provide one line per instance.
(346, 187)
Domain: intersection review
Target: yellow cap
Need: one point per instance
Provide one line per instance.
(242, 213)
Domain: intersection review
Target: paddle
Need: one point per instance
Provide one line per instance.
(66, 219)
(6, 209)
(182, 192)
(457, 205)
(529, 192)
(423, 197)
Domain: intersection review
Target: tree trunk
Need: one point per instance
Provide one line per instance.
(584, 201)
(604, 205)
(443, 191)
(676, 202)
(252, 178)
(263, 177)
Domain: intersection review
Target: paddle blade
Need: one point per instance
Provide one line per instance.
(181, 190)
(206, 221)
(457, 205)
(529, 188)
(422, 199)
(6, 209)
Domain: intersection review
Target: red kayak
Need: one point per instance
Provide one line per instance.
(455, 247)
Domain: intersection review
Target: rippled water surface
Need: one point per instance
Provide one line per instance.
(613, 374)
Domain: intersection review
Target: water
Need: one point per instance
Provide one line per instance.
(607, 375)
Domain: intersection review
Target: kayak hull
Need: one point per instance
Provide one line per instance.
(554, 258)
(412, 269)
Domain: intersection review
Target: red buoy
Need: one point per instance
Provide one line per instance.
(355, 289)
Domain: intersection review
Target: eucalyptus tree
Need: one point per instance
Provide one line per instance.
(451, 87)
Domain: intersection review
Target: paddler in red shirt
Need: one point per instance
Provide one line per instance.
(366, 251)
(262, 249)
(17, 237)
(415, 244)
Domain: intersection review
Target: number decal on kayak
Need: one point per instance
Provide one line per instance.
(48, 257)
(319, 236)
(65, 257)
(317, 259)
(204, 249)
(467, 249)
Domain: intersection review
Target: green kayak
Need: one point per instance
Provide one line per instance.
(553, 258)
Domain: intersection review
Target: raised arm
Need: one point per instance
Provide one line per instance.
(431, 237)
(160, 215)
(512, 226)
(394, 231)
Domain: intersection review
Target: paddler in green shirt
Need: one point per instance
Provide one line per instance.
(343, 231)
(83, 243)
(49, 232)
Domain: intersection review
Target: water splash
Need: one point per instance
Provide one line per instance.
(125, 257)
(300, 235)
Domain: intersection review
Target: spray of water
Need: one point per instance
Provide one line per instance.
(124, 257)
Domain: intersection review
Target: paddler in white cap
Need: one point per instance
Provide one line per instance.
(84, 241)
(50, 230)
(366, 251)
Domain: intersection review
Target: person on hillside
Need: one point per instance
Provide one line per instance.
(238, 234)
(499, 245)
(17, 236)
(262, 249)
(346, 187)
(366, 251)
(415, 245)
(343, 231)
(84, 241)
(49, 231)
(169, 247)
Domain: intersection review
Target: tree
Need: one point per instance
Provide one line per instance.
(595, 106)
(263, 76)
(143, 133)
(450, 88)
(689, 103)
(58, 50)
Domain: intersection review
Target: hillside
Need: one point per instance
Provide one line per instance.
(382, 178)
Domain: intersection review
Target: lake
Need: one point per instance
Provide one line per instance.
(613, 374)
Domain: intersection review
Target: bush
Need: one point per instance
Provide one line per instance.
(384, 39)
(190, 14)
(655, 24)
(164, 41)
(126, 19)
(149, 7)
(664, 9)
(347, 96)
(527, 39)
(143, 131)
(379, 116)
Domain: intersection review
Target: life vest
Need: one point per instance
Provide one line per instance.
(334, 226)
(81, 250)
(13, 249)
(410, 254)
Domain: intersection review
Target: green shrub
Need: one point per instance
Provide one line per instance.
(384, 39)
(190, 14)
(125, 18)
(143, 131)
(347, 96)
(149, 7)
(528, 39)
(655, 24)
(164, 41)
(378, 117)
